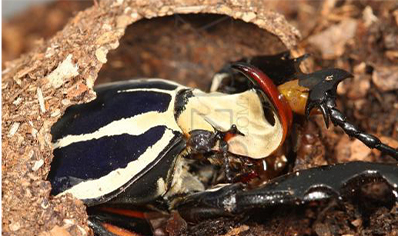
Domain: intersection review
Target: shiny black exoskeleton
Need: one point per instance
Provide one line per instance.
(340, 181)
(145, 160)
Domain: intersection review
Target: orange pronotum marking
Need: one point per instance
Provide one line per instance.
(267, 85)
(124, 212)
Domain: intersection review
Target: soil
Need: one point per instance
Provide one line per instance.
(358, 36)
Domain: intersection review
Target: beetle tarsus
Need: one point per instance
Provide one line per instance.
(322, 95)
(223, 146)
(329, 111)
(369, 140)
(227, 169)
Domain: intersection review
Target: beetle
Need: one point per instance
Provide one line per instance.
(131, 145)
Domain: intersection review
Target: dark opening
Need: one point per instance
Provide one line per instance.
(186, 48)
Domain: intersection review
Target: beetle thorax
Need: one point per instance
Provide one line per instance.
(219, 111)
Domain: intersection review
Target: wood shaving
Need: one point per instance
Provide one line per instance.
(41, 100)
(65, 70)
(13, 129)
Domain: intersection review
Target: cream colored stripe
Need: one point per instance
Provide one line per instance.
(170, 92)
(134, 126)
(99, 187)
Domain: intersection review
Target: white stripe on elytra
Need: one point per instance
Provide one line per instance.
(99, 187)
(136, 125)
(170, 92)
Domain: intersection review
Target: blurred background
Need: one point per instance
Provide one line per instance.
(10, 7)
(26, 22)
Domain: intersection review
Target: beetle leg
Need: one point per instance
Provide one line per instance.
(322, 87)
(106, 229)
(223, 138)
(339, 119)
(98, 227)
(106, 225)
(126, 222)
(334, 181)
(202, 141)
(227, 165)
(321, 183)
(280, 67)
(322, 95)
(216, 202)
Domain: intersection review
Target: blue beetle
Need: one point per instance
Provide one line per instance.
(130, 144)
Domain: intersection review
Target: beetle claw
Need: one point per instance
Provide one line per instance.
(323, 109)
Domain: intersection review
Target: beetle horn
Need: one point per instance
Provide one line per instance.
(266, 85)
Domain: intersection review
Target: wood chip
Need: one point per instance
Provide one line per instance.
(357, 223)
(100, 53)
(237, 231)
(249, 16)
(41, 100)
(38, 164)
(13, 129)
(65, 70)
(15, 226)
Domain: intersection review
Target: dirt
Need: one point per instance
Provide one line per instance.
(358, 36)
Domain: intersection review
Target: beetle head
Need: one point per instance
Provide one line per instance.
(322, 87)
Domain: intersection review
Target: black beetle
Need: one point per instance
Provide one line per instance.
(128, 146)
